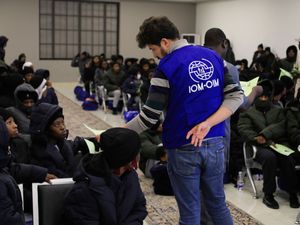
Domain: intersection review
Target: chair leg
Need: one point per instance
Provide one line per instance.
(298, 219)
(104, 106)
(252, 183)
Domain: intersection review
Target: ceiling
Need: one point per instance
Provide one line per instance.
(183, 1)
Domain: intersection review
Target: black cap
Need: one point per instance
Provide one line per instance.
(267, 87)
(24, 95)
(120, 146)
(5, 114)
(36, 81)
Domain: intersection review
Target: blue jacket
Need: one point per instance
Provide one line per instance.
(196, 79)
(93, 202)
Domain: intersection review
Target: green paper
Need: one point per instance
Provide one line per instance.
(94, 131)
(283, 150)
(285, 73)
(248, 85)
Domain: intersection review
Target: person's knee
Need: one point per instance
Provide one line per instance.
(267, 158)
(117, 93)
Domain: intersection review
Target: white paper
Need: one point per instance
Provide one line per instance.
(91, 147)
(94, 131)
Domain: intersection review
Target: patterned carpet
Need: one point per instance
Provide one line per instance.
(162, 210)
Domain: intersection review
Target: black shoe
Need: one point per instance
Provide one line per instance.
(114, 111)
(294, 203)
(270, 202)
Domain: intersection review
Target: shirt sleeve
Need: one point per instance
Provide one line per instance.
(233, 94)
(156, 102)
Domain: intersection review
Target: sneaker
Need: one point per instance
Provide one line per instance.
(270, 202)
(294, 203)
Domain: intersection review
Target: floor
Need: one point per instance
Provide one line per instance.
(242, 199)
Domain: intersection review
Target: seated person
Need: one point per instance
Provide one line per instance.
(262, 125)
(145, 86)
(279, 94)
(41, 82)
(113, 82)
(100, 72)
(11, 211)
(159, 172)
(18, 146)
(25, 97)
(151, 144)
(49, 146)
(293, 126)
(27, 73)
(132, 86)
(10, 174)
(8, 85)
(290, 90)
(107, 188)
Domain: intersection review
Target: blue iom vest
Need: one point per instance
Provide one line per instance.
(196, 78)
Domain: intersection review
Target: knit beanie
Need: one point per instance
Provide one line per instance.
(120, 146)
(27, 70)
(27, 64)
(42, 73)
(58, 113)
(5, 114)
(24, 95)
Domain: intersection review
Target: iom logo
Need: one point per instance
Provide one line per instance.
(201, 70)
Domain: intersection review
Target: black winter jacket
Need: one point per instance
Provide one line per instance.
(92, 202)
(57, 156)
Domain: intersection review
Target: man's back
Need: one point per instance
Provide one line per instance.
(196, 79)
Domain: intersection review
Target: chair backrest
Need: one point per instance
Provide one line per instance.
(22, 193)
(249, 152)
(48, 201)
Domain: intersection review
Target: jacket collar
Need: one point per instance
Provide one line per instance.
(178, 44)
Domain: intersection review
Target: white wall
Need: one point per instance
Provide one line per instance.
(19, 21)
(247, 23)
(133, 13)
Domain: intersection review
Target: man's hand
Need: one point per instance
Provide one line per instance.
(260, 140)
(49, 177)
(198, 133)
(97, 137)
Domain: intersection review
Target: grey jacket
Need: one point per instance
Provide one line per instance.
(20, 117)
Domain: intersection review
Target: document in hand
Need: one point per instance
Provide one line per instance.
(282, 149)
(94, 131)
(285, 73)
(91, 147)
(248, 85)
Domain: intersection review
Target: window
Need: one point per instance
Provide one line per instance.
(68, 27)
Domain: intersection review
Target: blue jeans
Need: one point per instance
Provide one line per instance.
(193, 170)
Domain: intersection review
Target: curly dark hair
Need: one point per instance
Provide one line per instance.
(154, 29)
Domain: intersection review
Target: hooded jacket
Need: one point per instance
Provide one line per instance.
(293, 124)
(8, 84)
(10, 197)
(93, 202)
(271, 125)
(57, 156)
(3, 42)
(21, 118)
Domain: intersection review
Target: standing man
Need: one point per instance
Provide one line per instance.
(190, 84)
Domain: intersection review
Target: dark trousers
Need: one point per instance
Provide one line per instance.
(270, 161)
